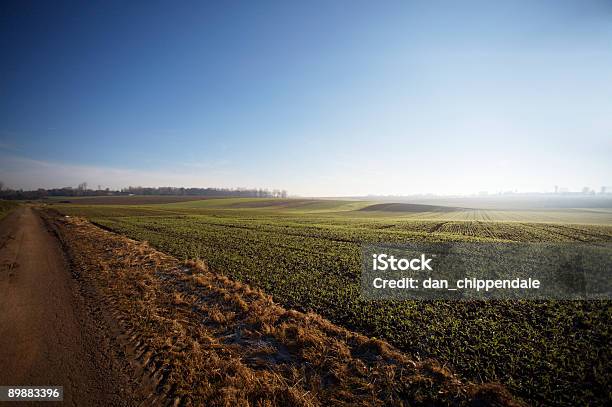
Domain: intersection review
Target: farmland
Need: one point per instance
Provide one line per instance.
(306, 254)
(6, 207)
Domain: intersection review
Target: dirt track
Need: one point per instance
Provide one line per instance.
(49, 333)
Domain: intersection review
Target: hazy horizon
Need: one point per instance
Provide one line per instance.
(320, 99)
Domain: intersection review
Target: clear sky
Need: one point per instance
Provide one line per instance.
(320, 98)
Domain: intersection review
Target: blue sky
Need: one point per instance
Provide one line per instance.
(320, 98)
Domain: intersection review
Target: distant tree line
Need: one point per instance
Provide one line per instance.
(82, 190)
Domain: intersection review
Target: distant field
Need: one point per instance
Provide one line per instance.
(306, 253)
(412, 208)
(366, 210)
(296, 205)
(520, 202)
(124, 200)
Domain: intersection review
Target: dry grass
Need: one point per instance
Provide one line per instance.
(203, 339)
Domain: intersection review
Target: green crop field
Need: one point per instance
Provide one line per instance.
(306, 253)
